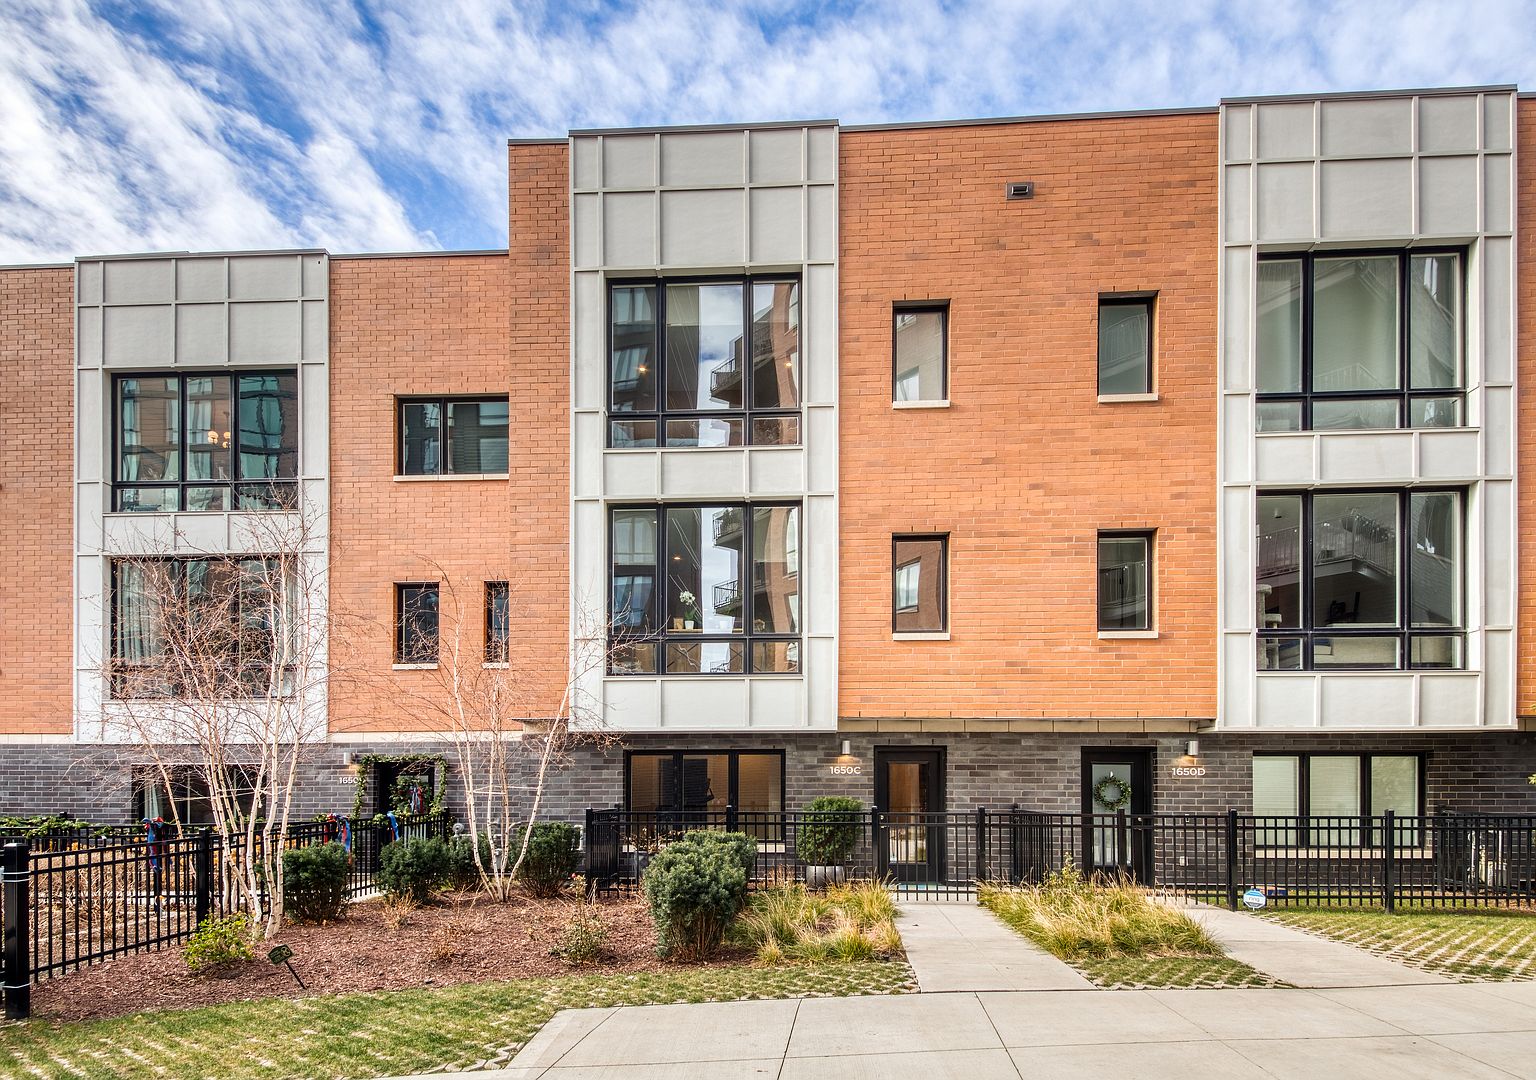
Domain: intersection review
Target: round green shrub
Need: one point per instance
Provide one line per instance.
(830, 829)
(315, 882)
(461, 852)
(695, 886)
(415, 868)
(554, 852)
(219, 944)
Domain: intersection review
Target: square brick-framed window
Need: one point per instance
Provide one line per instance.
(416, 623)
(920, 583)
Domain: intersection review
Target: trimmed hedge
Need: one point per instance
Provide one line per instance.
(695, 887)
(415, 868)
(830, 830)
(554, 852)
(315, 882)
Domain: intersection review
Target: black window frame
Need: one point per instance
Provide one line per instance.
(442, 401)
(498, 648)
(920, 307)
(1148, 535)
(1146, 300)
(283, 493)
(943, 591)
(190, 789)
(749, 411)
(664, 635)
(1309, 835)
(402, 656)
(1403, 395)
(1405, 631)
(734, 757)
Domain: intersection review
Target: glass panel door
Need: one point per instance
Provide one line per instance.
(909, 790)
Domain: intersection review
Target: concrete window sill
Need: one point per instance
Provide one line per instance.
(1125, 399)
(1127, 635)
(925, 635)
(414, 667)
(937, 403)
(449, 476)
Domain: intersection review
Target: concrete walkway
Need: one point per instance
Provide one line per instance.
(1402, 1032)
(962, 946)
(1303, 959)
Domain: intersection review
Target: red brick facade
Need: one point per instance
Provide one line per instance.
(1025, 464)
(37, 364)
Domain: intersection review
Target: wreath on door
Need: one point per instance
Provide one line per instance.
(1109, 782)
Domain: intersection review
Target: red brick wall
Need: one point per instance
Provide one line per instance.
(36, 517)
(1525, 696)
(451, 325)
(1026, 465)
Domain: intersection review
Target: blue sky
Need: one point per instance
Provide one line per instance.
(211, 124)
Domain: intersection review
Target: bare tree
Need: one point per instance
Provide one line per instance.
(219, 670)
(510, 721)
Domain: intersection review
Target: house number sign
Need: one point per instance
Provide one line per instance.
(1188, 772)
(847, 770)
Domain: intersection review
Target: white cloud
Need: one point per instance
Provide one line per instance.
(258, 123)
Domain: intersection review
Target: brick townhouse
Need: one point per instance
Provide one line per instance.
(940, 464)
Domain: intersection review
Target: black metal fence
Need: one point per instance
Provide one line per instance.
(1441, 861)
(64, 906)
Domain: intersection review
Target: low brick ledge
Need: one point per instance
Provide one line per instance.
(1145, 725)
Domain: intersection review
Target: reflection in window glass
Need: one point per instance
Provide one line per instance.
(705, 658)
(1354, 414)
(149, 429)
(633, 385)
(1279, 562)
(1435, 575)
(209, 428)
(776, 345)
(705, 341)
(705, 431)
(1354, 331)
(775, 577)
(421, 438)
(919, 560)
(1434, 412)
(1279, 326)
(1125, 599)
(704, 562)
(497, 621)
(634, 569)
(416, 624)
(1434, 320)
(1354, 570)
(269, 418)
(477, 436)
(1125, 346)
(1278, 416)
(920, 354)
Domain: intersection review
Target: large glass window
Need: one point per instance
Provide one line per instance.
(699, 787)
(919, 584)
(201, 627)
(705, 589)
(206, 441)
(453, 436)
(1125, 345)
(1360, 341)
(180, 794)
(1360, 579)
(1125, 581)
(713, 363)
(920, 352)
(1334, 797)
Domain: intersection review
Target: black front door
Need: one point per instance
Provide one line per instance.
(909, 791)
(1115, 780)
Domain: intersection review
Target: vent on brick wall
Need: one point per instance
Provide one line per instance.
(1021, 189)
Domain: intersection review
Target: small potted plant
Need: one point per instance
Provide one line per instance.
(690, 610)
(829, 830)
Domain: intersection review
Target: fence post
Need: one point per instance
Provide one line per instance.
(1231, 858)
(15, 880)
(586, 842)
(876, 856)
(981, 844)
(1015, 846)
(730, 817)
(202, 869)
(1122, 856)
(1388, 860)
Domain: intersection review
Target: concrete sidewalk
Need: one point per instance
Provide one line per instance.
(1461, 1030)
(959, 945)
(1300, 959)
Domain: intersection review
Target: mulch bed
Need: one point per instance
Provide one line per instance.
(461, 940)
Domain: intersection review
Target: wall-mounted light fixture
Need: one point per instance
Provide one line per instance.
(847, 748)
(1193, 749)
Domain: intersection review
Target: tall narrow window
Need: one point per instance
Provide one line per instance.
(1360, 579)
(1125, 581)
(919, 589)
(920, 351)
(497, 621)
(207, 441)
(416, 623)
(1359, 341)
(1125, 345)
(712, 363)
(450, 436)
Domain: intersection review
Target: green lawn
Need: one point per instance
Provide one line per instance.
(1467, 947)
(390, 1033)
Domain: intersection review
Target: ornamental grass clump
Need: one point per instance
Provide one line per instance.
(695, 887)
(847, 922)
(1077, 918)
